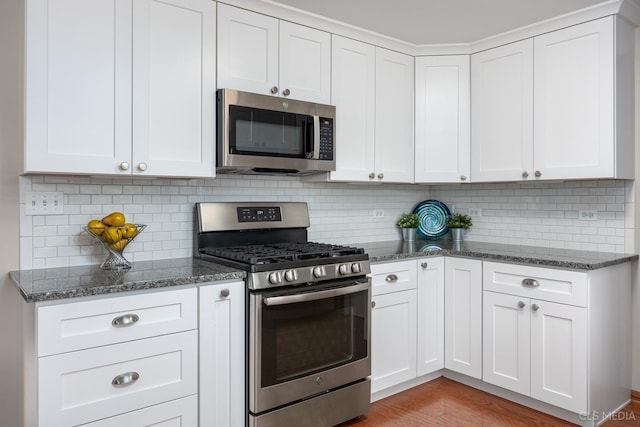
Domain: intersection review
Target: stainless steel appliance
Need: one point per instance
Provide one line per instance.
(267, 134)
(308, 313)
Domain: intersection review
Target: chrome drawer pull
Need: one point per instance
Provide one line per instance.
(125, 379)
(530, 282)
(391, 278)
(521, 304)
(424, 265)
(224, 293)
(125, 320)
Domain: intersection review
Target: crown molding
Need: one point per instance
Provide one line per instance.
(627, 9)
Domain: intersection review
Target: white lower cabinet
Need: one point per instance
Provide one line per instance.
(558, 336)
(177, 413)
(393, 324)
(463, 316)
(222, 362)
(407, 321)
(166, 357)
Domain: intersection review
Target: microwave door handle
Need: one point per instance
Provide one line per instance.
(313, 296)
(316, 137)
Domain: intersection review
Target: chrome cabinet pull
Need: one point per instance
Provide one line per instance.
(535, 307)
(274, 90)
(373, 304)
(125, 379)
(286, 92)
(424, 265)
(463, 178)
(142, 166)
(224, 293)
(391, 278)
(530, 282)
(372, 175)
(521, 304)
(124, 166)
(538, 174)
(380, 175)
(525, 174)
(125, 320)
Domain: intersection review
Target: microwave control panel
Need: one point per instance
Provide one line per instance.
(326, 139)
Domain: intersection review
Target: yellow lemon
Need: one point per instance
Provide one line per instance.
(111, 235)
(129, 230)
(114, 219)
(96, 227)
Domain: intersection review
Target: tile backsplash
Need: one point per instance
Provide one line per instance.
(540, 214)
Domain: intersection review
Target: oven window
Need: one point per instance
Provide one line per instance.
(304, 338)
(266, 133)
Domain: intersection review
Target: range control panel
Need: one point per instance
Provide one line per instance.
(259, 214)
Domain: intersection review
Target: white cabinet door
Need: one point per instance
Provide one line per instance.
(305, 63)
(430, 328)
(78, 85)
(394, 117)
(353, 94)
(393, 339)
(222, 347)
(463, 316)
(174, 88)
(247, 50)
(559, 355)
(502, 113)
(261, 54)
(506, 349)
(177, 413)
(87, 385)
(443, 121)
(574, 101)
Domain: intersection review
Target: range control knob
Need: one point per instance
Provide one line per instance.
(291, 275)
(319, 271)
(343, 269)
(275, 277)
(355, 267)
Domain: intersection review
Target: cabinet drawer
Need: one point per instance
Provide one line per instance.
(177, 413)
(562, 286)
(393, 277)
(78, 387)
(80, 325)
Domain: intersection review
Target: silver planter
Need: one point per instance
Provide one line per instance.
(456, 234)
(409, 234)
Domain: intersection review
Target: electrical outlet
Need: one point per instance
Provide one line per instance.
(475, 211)
(588, 215)
(43, 203)
(378, 213)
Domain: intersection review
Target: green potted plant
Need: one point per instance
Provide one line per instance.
(457, 223)
(409, 224)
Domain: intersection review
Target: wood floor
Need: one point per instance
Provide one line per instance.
(444, 402)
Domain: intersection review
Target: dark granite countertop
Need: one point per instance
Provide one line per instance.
(530, 255)
(71, 282)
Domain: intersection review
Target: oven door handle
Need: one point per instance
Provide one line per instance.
(313, 296)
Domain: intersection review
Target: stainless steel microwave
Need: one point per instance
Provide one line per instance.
(268, 134)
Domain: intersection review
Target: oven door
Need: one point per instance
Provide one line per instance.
(306, 342)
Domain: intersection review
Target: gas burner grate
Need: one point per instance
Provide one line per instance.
(282, 252)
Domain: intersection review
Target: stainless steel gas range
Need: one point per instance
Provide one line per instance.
(308, 313)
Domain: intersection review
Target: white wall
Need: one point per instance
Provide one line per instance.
(635, 290)
(10, 137)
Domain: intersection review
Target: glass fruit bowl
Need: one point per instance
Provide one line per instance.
(115, 240)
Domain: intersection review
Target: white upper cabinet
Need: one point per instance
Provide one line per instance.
(575, 102)
(557, 106)
(442, 140)
(120, 87)
(372, 89)
(502, 113)
(394, 117)
(261, 54)
(353, 93)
